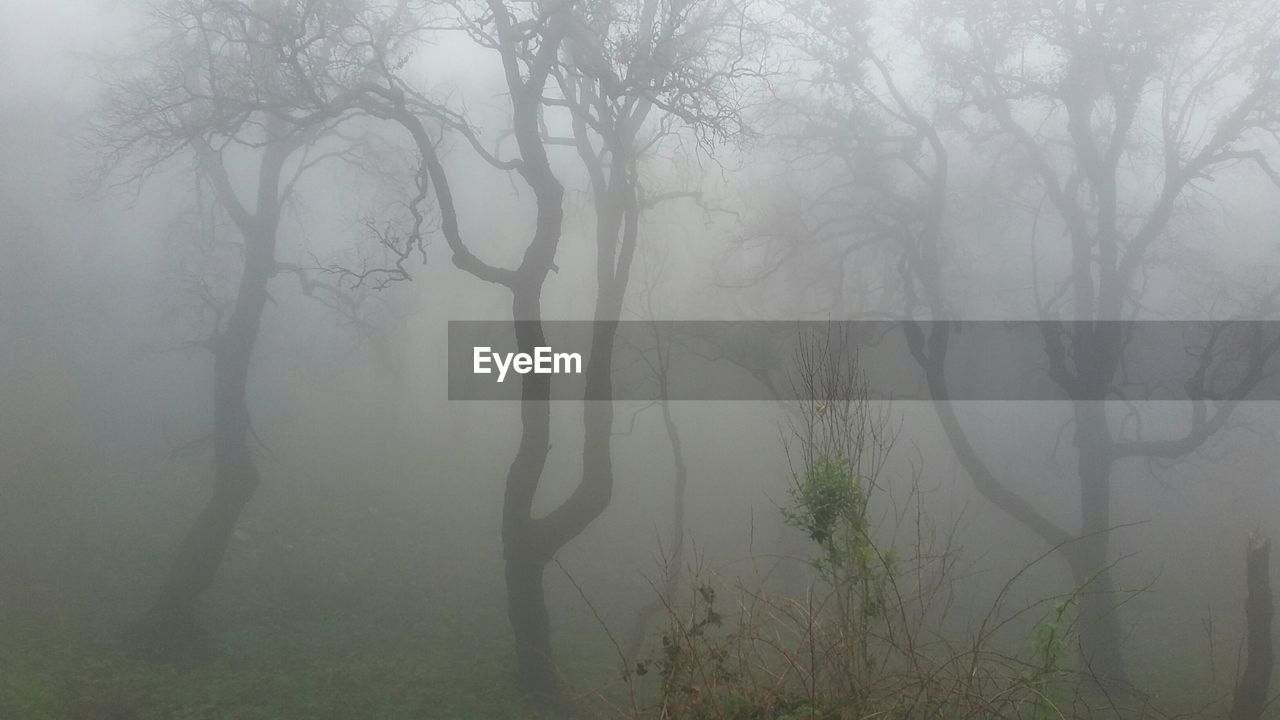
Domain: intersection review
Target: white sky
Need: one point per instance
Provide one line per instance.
(40, 41)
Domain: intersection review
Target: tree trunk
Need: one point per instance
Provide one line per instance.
(171, 623)
(673, 563)
(523, 552)
(530, 543)
(527, 610)
(1250, 699)
(1099, 629)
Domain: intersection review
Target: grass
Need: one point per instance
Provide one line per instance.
(339, 600)
(262, 672)
(327, 607)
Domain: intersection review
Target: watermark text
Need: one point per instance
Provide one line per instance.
(542, 361)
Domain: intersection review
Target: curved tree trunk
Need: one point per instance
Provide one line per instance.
(525, 548)
(1099, 630)
(530, 543)
(171, 624)
(524, 556)
(172, 617)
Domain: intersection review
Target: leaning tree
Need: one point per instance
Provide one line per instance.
(217, 85)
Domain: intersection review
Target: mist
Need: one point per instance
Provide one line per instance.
(248, 250)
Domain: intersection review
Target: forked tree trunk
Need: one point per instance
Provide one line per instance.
(529, 543)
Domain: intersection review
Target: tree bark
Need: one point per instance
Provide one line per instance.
(1100, 635)
(536, 673)
(524, 556)
(1250, 699)
(1099, 631)
(171, 625)
(172, 617)
(531, 543)
(1086, 553)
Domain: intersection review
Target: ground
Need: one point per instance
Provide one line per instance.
(332, 603)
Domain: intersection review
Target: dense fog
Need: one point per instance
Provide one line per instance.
(237, 481)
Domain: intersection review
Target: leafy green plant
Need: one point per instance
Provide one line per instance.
(1049, 647)
(829, 504)
(828, 499)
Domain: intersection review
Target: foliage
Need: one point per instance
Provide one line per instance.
(866, 638)
(830, 505)
(1049, 650)
(829, 497)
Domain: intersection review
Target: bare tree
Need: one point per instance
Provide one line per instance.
(636, 78)
(1072, 97)
(527, 41)
(658, 362)
(622, 102)
(209, 88)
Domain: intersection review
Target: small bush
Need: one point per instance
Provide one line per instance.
(865, 639)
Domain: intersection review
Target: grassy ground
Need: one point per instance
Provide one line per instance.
(258, 673)
(329, 605)
(338, 599)
(327, 665)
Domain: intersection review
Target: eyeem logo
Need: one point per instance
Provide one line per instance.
(542, 362)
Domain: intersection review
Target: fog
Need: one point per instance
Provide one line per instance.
(238, 481)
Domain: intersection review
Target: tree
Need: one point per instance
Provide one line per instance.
(634, 78)
(210, 88)
(1083, 107)
(615, 92)
(342, 55)
(659, 365)
(529, 49)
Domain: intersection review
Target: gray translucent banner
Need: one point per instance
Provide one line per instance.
(971, 360)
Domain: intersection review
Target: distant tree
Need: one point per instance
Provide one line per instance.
(1105, 120)
(658, 361)
(217, 84)
(332, 56)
